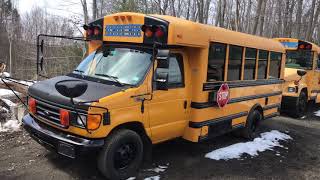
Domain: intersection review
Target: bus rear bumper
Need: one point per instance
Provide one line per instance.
(65, 144)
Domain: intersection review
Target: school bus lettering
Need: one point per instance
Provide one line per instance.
(151, 78)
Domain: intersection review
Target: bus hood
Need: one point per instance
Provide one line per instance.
(46, 91)
(290, 74)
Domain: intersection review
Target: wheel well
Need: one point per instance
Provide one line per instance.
(305, 90)
(257, 107)
(139, 128)
(134, 126)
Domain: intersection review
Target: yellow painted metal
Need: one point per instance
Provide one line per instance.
(311, 81)
(165, 116)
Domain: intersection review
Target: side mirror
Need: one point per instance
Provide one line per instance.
(163, 58)
(301, 72)
(71, 88)
(161, 80)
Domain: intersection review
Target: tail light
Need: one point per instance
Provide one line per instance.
(32, 105)
(93, 121)
(64, 117)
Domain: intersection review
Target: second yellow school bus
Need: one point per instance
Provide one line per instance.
(152, 78)
(302, 76)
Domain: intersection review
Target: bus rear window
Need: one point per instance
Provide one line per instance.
(216, 62)
(300, 59)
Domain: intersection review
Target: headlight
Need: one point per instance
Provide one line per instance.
(84, 120)
(291, 89)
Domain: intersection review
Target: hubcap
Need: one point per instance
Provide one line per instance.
(124, 156)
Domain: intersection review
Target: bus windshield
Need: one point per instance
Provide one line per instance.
(300, 59)
(126, 66)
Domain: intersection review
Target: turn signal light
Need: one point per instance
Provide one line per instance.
(93, 121)
(32, 105)
(64, 117)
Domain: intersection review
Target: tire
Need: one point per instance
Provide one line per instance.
(121, 156)
(252, 124)
(301, 105)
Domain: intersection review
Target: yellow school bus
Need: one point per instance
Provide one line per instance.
(152, 78)
(302, 76)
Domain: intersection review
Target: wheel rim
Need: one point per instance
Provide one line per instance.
(124, 156)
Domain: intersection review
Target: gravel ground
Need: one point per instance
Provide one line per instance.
(22, 158)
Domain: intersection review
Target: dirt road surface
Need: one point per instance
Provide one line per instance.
(22, 158)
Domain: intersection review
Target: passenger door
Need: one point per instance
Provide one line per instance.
(168, 109)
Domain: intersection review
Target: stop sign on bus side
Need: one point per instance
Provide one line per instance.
(223, 95)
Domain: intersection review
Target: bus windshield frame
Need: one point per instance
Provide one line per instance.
(299, 59)
(122, 65)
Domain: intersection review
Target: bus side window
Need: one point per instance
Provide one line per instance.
(250, 64)
(262, 64)
(275, 62)
(175, 71)
(235, 62)
(216, 62)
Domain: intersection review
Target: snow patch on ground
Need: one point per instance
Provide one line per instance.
(10, 126)
(317, 113)
(8, 102)
(159, 168)
(153, 178)
(5, 92)
(131, 178)
(267, 141)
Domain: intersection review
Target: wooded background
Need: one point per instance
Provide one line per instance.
(268, 18)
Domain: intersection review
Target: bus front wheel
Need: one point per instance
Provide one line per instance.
(122, 155)
(300, 106)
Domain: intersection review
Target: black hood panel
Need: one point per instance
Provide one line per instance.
(46, 91)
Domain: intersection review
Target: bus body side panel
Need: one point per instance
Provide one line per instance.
(235, 113)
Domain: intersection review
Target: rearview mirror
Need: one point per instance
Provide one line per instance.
(163, 58)
(161, 79)
(71, 88)
(301, 72)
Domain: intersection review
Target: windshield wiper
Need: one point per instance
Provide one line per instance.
(114, 78)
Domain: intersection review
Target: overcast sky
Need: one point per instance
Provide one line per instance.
(58, 7)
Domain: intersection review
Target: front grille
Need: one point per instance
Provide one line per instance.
(48, 112)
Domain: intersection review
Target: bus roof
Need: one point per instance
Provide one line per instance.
(196, 34)
(187, 33)
(315, 47)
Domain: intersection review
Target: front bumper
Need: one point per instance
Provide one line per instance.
(288, 103)
(61, 142)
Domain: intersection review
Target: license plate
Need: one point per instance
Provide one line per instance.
(66, 149)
